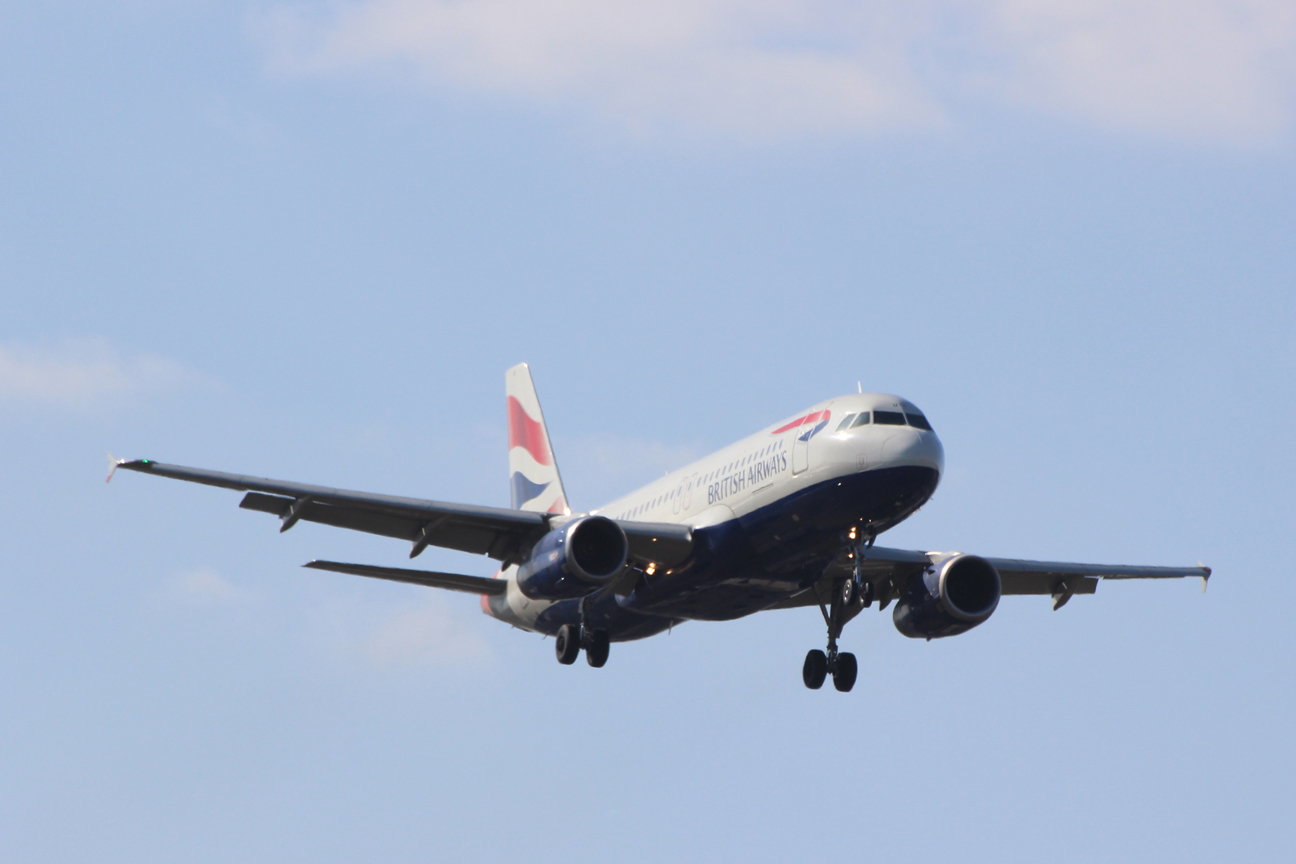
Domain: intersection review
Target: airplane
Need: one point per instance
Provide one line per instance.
(782, 519)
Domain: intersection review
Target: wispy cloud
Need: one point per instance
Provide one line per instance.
(760, 68)
(426, 635)
(1202, 69)
(431, 629)
(82, 372)
(206, 587)
(768, 69)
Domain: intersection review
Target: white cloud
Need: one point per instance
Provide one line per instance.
(206, 587)
(1197, 68)
(427, 635)
(80, 372)
(760, 68)
(1200, 69)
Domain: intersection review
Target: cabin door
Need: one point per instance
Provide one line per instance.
(814, 423)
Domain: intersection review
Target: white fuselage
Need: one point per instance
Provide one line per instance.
(779, 461)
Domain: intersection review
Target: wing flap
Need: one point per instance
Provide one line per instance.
(427, 578)
(1045, 583)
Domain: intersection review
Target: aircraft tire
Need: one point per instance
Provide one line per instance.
(845, 673)
(567, 644)
(815, 669)
(848, 593)
(596, 652)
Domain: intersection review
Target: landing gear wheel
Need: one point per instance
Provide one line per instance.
(848, 593)
(844, 674)
(596, 652)
(815, 669)
(567, 646)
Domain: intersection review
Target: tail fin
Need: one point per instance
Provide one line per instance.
(533, 471)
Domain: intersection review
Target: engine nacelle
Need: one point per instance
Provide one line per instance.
(956, 596)
(574, 560)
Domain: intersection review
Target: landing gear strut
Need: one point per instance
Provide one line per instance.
(840, 664)
(848, 597)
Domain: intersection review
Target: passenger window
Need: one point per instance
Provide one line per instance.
(918, 421)
(863, 420)
(888, 418)
(846, 421)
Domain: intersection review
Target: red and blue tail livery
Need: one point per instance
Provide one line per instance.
(534, 483)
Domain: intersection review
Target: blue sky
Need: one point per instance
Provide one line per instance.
(305, 241)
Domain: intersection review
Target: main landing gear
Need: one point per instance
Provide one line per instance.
(573, 637)
(849, 596)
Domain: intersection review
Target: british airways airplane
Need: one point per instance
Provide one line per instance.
(784, 518)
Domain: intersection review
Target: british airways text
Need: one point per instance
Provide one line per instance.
(751, 477)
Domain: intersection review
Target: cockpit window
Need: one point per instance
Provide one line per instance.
(889, 418)
(846, 421)
(917, 420)
(863, 420)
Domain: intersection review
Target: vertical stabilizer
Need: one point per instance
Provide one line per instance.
(533, 471)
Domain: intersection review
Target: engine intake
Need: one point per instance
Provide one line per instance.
(959, 594)
(574, 560)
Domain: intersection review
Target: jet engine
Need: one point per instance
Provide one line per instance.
(574, 560)
(955, 596)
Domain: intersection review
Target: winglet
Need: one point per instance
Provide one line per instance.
(113, 464)
(1205, 578)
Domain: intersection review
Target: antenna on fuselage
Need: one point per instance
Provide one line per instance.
(859, 385)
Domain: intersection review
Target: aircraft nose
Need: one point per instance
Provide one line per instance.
(914, 447)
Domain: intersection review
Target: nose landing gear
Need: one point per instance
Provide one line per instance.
(848, 597)
(840, 664)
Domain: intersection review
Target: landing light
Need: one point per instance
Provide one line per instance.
(652, 568)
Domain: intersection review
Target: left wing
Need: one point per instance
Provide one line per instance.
(1061, 580)
(891, 569)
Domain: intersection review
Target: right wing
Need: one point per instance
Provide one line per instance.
(505, 535)
(502, 534)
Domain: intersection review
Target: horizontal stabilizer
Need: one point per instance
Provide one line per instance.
(429, 578)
